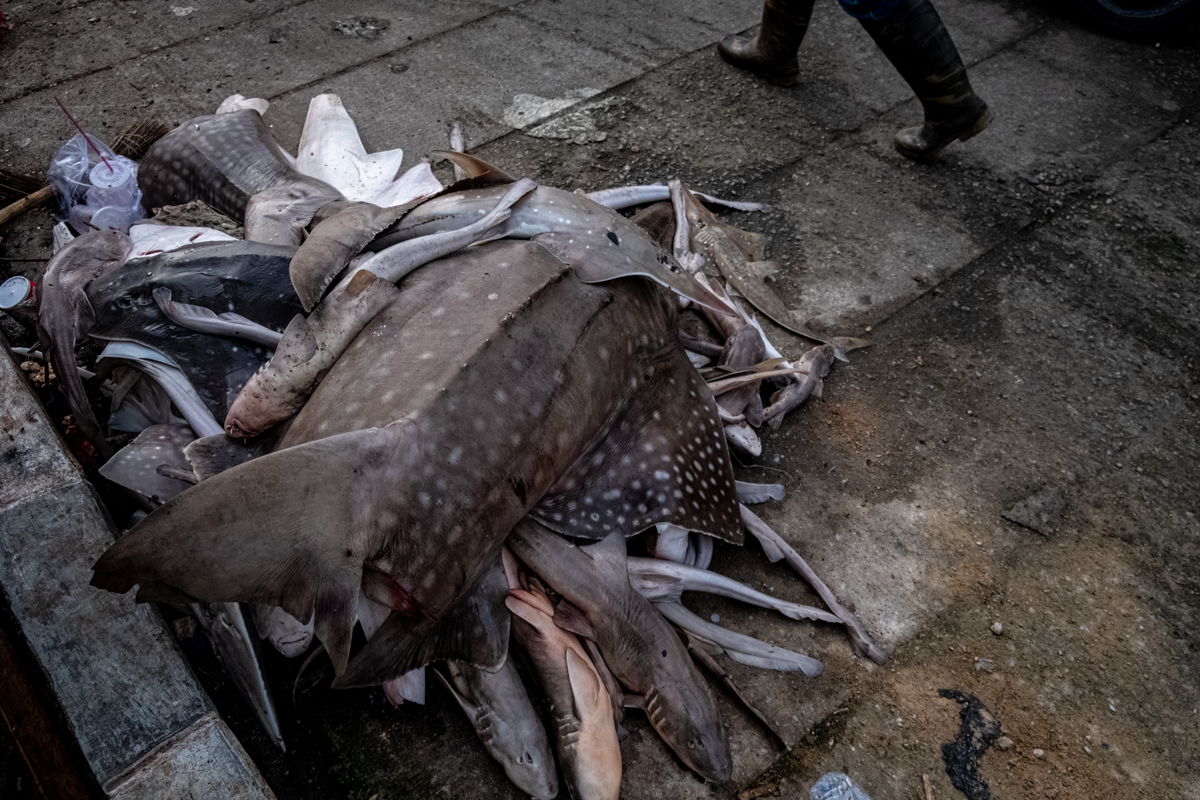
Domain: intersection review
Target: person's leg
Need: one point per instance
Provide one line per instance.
(911, 34)
(772, 53)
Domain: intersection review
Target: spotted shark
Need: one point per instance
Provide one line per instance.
(494, 385)
(231, 162)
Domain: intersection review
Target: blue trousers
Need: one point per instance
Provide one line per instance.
(869, 9)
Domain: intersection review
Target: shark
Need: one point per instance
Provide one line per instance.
(638, 645)
(471, 400)
(506, 722)
(585, 735)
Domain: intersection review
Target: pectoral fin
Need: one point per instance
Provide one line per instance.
(289, 529)
(586, 688)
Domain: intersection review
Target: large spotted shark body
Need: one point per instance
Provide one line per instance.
(498, 385)
(435, 404)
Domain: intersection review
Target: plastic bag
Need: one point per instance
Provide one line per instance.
(95, 195)
(836, 786)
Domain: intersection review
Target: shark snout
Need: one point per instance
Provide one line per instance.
(687, 717)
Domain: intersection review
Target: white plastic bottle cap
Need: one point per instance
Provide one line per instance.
(111, 175)
(110, 218)
(14, 291)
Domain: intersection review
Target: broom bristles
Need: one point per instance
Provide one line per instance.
(139, 136)
(14, 187)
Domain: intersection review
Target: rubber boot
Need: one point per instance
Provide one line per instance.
(914, 39)
(772, 54)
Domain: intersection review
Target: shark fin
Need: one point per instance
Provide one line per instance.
(479, 173)
(213, 455)
(586, 688)
(570, 618)
(466, 705)
(135, 466)
(329, 248)
(289, 529)
(377, 170)
(474, 630)
(671, 465)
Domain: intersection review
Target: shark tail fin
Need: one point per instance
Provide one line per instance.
(382, 166)
(286, 529)
(474, 630)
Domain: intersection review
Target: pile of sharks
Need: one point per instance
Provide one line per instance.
(488, 423)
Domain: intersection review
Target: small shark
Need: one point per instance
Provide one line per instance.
(506, 722)
(585, 735)
(640, 648)
(66, 314)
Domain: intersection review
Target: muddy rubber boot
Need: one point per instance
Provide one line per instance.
(772, 54)
(916, 42)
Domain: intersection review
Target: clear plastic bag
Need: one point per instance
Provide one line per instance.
(836, 786)
(95, 195)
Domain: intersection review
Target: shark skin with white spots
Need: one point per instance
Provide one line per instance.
(311, 346)
(640, 647)
(232, 163)
(597, 242)
(397, 459)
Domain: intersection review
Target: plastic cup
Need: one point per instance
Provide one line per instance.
(111, 218)
(114, 174)
(14, 291)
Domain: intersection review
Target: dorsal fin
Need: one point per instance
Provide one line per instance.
(479, 172)
(474, 630)
(337, 238)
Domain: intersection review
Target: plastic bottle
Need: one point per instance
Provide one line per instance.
(836, 786)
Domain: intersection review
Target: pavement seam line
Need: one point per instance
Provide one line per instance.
(431, 38)
(150, 52)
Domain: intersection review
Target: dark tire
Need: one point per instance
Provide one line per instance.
(1139, 16)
